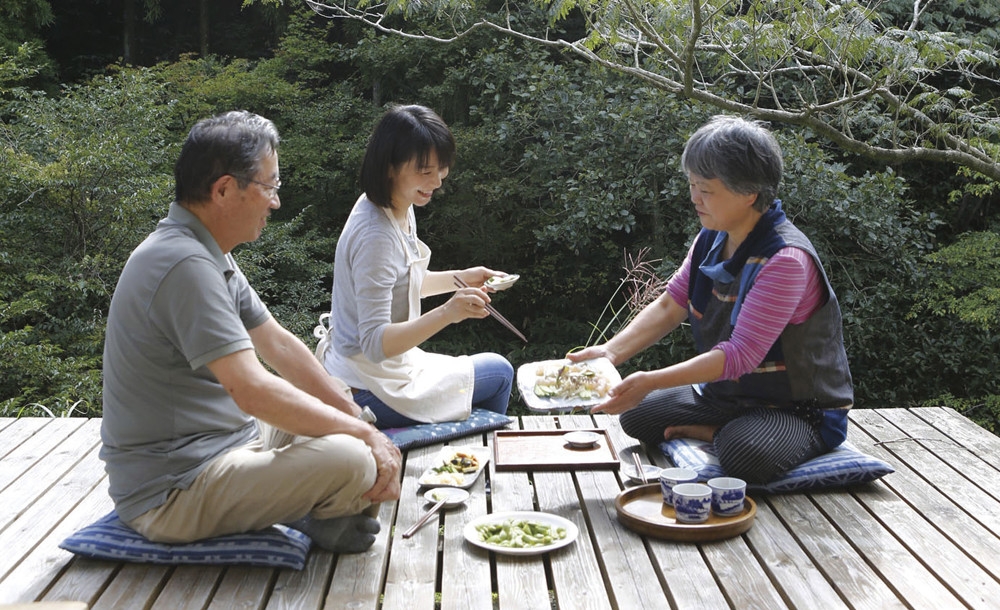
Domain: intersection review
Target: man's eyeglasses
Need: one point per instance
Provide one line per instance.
(271, 190)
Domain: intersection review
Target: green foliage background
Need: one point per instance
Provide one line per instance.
(564, 172)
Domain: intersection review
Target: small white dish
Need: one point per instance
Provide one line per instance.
(452, 496)
(652, 473)
(581, 438)
(501, 282)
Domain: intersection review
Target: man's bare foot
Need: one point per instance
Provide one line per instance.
(699, 432)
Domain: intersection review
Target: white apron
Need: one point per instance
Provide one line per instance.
(423, 386)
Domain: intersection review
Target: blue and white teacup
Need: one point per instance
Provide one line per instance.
(674, 476)
(692, 502)
(728, 495)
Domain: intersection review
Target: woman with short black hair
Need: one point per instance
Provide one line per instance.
(380, 275)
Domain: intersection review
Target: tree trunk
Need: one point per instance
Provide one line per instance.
(128, 32)
(203, 27)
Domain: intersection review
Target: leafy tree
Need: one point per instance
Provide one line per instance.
(963, 280)
(21, 21)
(977, 19)
(566, 170)
(871, 79)
(21, 25)
(82, 177)
(16, 71)
(889, 93)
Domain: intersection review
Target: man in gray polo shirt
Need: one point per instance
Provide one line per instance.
(199, 438)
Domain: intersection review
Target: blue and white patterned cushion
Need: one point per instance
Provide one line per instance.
(108, 538)
(480, 420)
(841, 467)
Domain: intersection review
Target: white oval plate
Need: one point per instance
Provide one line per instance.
(581, 438)
(501, 282)
(472, 535)
(528, 374)
(464, 480)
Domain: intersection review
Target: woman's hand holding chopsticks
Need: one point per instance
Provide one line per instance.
(493, 312)
(467, 303)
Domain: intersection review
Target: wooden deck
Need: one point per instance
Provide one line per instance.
(927, 536)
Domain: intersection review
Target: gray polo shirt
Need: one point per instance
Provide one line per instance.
(180, 303)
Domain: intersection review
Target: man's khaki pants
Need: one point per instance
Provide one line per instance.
(277, 478)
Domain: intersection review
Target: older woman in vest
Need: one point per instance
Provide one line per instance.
(770, 386)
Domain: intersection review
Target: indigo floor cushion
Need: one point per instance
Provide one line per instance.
(108, 538)
(480, 420)
(841, 467)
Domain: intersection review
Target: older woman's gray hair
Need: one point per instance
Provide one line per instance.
(742, 154)
(233, 143)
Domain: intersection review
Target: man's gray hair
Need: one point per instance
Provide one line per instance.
(233, 143)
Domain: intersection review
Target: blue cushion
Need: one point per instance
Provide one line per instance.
(480, 420)
(108, 538)
(843, 466)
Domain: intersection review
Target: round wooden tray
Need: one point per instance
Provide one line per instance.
(642, 510)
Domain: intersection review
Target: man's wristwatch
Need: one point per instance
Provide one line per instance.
(366, 415)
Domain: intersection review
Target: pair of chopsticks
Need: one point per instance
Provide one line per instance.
(638, 467)
(493, 312)
(427, 516)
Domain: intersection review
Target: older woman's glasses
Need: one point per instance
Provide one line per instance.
(271, 190)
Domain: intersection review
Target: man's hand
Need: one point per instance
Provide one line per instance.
(388, 461)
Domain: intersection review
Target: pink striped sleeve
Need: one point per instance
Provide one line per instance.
(677, 287)
(787, 291)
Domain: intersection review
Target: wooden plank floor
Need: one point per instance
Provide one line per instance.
(926, 536)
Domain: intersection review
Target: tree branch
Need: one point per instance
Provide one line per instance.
(821, 74)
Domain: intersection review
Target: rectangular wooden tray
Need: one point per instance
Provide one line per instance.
(531, 450)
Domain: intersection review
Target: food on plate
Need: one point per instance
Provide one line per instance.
(499, 282)
(449, 495)
(571, 380)
(443, 478)
(454, 467)
(460, 462)
(519, 533)
(439, 495)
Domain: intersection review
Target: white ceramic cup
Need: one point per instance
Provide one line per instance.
(692, 502)
(669, 477)
(728, 495)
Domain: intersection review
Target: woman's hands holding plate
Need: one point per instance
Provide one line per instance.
(501, 282)
(486, 278)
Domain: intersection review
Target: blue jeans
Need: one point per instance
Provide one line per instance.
(494, 377)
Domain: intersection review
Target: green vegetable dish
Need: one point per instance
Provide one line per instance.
(520, 533)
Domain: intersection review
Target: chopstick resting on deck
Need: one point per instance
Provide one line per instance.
(493, 312)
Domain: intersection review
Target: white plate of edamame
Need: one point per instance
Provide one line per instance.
(521, 532)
